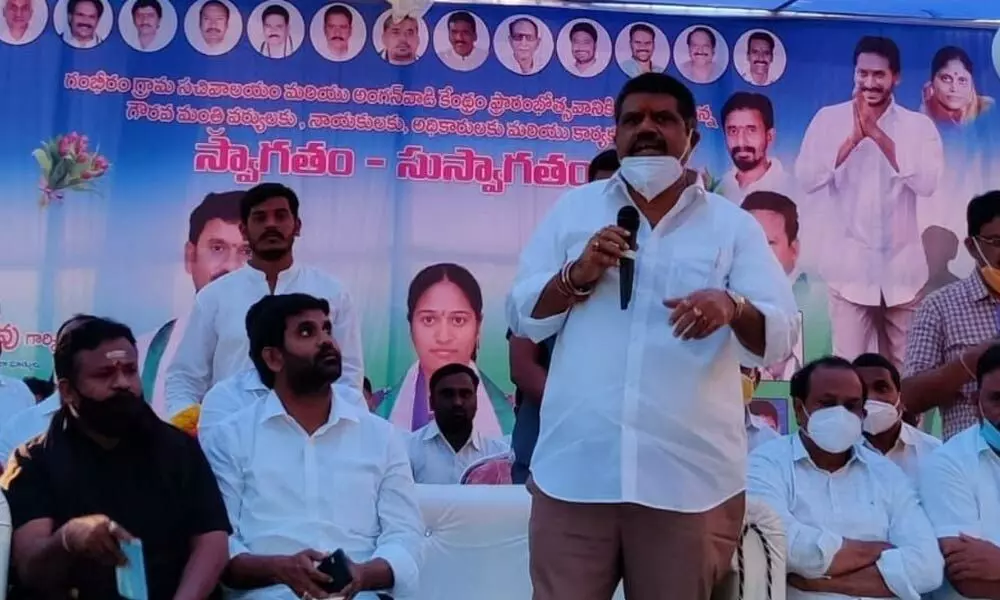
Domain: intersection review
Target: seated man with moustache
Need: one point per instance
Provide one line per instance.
(304, 473)
(108, 470)
(854, 525)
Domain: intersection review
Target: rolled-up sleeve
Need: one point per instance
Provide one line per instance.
(347, 332)
(400, 542)
(920, 156)
(189, 376)
(221, 447)
(757, 275)
(915, 566)
(541, 260)
(810, 549)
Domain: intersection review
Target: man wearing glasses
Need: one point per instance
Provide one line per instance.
(955, 325)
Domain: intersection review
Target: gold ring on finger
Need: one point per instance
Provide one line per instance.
(697, 312)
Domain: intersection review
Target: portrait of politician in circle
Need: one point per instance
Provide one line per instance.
(83, 23)
(400, 42)
(951, 95)
(23, 20)
(444, 309)
(584, 47)
(338, 32)
(642, 48)
(275, 29)
(759, 57)
(147, 25)
(523, 44)
(701, 54)
(213, 27)
(461, 40)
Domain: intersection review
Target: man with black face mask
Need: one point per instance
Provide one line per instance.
(109, 471)
(304, 472)
(443, 449)
(214, 344)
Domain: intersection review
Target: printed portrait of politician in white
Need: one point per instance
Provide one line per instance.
(275, 29)
(759, 57)
(523, 44)
(584, 47)
(213, 27)
(147, 25)
(23, 20)
(338, 32)
(400, 42)
(701, 54)
(83, 23)
(461, 40)
(642, 48)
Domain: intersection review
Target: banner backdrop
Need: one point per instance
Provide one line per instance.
(444, 139)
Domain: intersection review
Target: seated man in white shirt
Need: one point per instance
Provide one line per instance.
(854, 525)
(960, 488)
(443, 449)
(34, 420)
(304, 473)
(758, 429)
(885, 431)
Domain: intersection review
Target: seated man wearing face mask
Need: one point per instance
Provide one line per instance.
(885, 431)
(854, 525)
(108, 470)
(960, 487)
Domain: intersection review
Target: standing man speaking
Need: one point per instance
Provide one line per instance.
(640, 468)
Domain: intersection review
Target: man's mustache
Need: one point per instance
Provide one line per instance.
(648, 141)
(743, 149)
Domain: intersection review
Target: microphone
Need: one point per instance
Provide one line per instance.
(628, 219)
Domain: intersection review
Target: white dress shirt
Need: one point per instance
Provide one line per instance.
(911, 448)
(214, 345)
(435, 461)
(347, 486)
(869, 499)
(633, 413)
(878, 250)
(230, 396)
(82, 44)
(758, 431)
(464, 63)
(960, 488)
(775, 179)
(15, 396)
(26, 425)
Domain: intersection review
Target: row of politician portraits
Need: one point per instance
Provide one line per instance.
(461, 40)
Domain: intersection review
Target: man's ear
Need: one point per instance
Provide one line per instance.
(67, 393)
(695, 138)
(189, 256)
(273, 358)
(243, 231)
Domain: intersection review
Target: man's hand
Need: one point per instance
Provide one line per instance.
(855, 555)
(971, 558)
(299, 573)
(801, 583)
(858, 129)
(357, 584)
(603, 251)
(96, 537)
(700, 314)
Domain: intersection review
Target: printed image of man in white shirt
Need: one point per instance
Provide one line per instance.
(214, 342)
(215, 246)
(748, 123)
(462, 53)
(444, 448)
(640, 403)
(854, 524)
(873, 179)
(15, 396)
(960, 488)
(304, 474)
(82, 20)
(885, 431)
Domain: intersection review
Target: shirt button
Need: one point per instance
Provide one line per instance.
(427, 533)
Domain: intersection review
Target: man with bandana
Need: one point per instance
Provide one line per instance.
(960, 488)
(108, 471)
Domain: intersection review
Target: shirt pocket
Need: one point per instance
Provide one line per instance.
(866, 520)
(352, 499)
(693, 268)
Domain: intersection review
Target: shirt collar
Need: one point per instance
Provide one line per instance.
(974, 288)
(273, 408)
(431, 431)
(618, 189)
(799, 452)
(249, 271)
(252, 382)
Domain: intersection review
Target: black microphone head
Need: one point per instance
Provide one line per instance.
(628, 219)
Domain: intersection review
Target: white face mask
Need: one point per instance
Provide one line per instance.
(834, 429)
(880, 416)
(650, 176)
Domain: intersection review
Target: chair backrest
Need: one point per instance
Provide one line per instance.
(477, 547)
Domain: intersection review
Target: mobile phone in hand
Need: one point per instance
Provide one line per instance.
(131, 578)
(337, 567)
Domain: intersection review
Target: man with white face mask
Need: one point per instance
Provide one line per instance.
(854, 525)
(885, 431)
(641, 450)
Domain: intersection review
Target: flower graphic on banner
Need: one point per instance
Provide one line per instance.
(711, 183)
(67, 163)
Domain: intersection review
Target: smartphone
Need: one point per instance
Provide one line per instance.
(336, 567)
(131, 578)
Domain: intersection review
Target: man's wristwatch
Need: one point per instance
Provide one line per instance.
(739, 301)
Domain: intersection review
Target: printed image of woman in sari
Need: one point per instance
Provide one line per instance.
(950, 96)
(444, 308)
